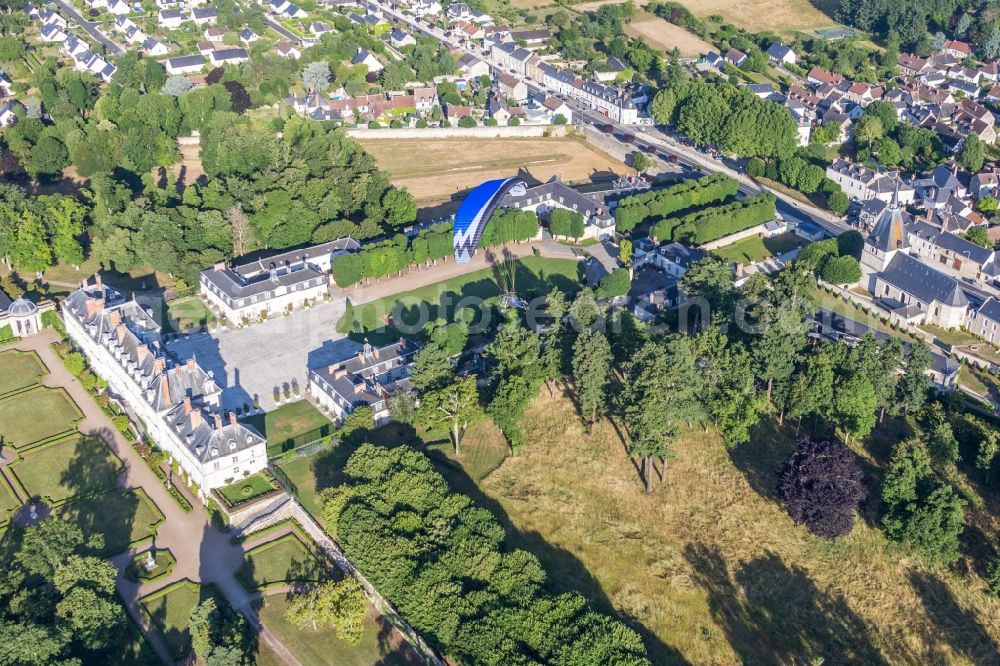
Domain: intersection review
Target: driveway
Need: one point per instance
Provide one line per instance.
(250, 362)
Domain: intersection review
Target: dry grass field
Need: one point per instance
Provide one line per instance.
(754, 15)
(710, 569)
(434, 170)
(662, 35)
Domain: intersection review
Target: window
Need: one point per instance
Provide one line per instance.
(236, 459)
(216, 466)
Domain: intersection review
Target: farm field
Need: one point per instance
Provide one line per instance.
(665, 36)
(435, 170)
(380, 644)
(20, 370)
(20, 416)
(60, 471)
(754, 15)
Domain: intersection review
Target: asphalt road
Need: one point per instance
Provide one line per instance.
(70, 14)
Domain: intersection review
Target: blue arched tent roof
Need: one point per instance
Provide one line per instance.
(475, 212)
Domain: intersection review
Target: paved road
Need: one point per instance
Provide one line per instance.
(69, 13)
(203, 553)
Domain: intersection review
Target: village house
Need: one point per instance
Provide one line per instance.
(287, 50)
(171, 19)
(780, 54)
(185, 64)
(204, 15)
(543, 199)
(230, 56)
(366, 58)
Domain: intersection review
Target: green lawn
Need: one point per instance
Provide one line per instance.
(8, 502)
(246, 489)
(965, 339)
(286, 559)
(187, 312)
(323, 648)
(169, 609)
(533, 276)
(163, 560)
(119, 517)
(757, 248)
(77, 466)
(303, 478)
(287, 426)
(36, 415)
(20, 370)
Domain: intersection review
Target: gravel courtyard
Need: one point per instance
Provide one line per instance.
(251, 361)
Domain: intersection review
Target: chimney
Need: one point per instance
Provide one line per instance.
(195, 418)
(218, 421)
(113, 318)
(232, 418)
(120, 331)
(165, 389)
(187, 405)
(190, 364)
(141, 352)
(220, 266)
(97, 282)
(94, 305)
(159, 365)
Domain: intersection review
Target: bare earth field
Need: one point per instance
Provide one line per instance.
(710, 569)
(754, 15)
(434, 170)
(663, 35)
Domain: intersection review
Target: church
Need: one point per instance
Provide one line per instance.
(913, 291)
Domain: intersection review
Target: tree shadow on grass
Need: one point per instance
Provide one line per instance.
(957, 626)
(98, 507)
(774, 614)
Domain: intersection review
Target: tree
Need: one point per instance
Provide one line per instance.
(811, 389)
(467, 121)
(641, 162)
(868, 129)
(821, 486)
(979, 236)
(591, 373)
(625, 251)
(921, 511)
(841, 270)
(616, 283)
(400, 208)
(838, 202)
(993, 579)
(455, 404)
(912, 389)
(338, 604)
(646, 398)
(316, 76)
(431, 368)
(987, 204)
(48, 157)
(973, 153)
(220, 635)
(357, 424)
(177, 85)
(854, 404)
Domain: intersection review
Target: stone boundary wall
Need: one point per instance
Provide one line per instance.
(522, 131)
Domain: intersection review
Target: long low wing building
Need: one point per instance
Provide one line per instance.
(176, 402)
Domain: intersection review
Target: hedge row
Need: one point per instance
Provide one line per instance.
(638, 208)
(711, 224)
(390, 257)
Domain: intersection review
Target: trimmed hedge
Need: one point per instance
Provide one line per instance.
(712, 224)
(636, 209)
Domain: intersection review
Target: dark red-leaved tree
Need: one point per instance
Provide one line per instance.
(239, 96)
(215, 75)
(821, 486)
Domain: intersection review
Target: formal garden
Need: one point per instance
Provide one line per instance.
(282, 561)
(35, 416)
(169, 610)
(122, 518)
(20, 370)
(247, 489)
(74, 467)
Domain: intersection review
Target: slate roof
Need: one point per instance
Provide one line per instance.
(187, 61)
(778, 51)
(889, 232)
(367, 377)
(990, 309)
(923, 282)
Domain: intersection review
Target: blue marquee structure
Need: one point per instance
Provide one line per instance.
(475, 212)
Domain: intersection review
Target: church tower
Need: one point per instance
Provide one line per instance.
(886, 239)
